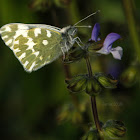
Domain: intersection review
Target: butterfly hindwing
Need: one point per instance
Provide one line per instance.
(34, 46)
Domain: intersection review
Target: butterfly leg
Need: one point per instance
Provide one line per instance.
(63, 52)
(66, 47)
(78, 41)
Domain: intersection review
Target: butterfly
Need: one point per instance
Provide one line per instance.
(36, 45)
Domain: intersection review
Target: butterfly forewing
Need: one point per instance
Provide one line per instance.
(34, 46)
(7, 33)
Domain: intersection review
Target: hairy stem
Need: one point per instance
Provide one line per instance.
(93, 100)
(89, 66)
(95, 113)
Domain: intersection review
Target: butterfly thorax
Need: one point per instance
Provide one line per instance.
(68, 34)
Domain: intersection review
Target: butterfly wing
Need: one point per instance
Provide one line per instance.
(33, 45)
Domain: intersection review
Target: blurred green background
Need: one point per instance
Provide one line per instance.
(38, 106)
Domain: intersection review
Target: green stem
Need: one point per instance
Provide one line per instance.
(67, 71)
(93, 100)
(89, 66)
(95, 113)
(128, 7)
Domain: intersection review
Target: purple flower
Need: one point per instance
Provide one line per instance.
(95, 32)
(107, 45)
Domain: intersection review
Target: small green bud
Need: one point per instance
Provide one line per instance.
(114, 129)
(75, 54)
(83, 82)
(92, 134)
(129, 76)
(105, 80)
(77, 84)
(93, 88)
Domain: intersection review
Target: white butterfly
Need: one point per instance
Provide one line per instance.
(36, 45)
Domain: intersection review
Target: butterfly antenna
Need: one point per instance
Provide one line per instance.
(86, 17)
(84, 26)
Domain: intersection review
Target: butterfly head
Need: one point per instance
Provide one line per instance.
(69, 30)
(72, 31)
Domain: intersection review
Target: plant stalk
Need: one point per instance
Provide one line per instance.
(93, 101)
(89, 66)
(95, 113)
(128, 7)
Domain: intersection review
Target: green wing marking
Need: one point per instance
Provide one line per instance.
(34, 47)
(7, 33)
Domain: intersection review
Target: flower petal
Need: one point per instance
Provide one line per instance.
(103, 50)
(117, 52)
(95, 32)
(109, 40)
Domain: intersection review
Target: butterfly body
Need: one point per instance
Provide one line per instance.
(36, 45)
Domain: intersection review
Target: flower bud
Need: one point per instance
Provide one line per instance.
(106, 81)
(75, 54)
(77, 84)
(92, 88)
(114, 129)
(84, 83)
(94, 46)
